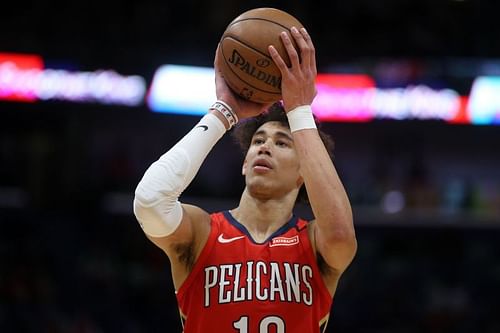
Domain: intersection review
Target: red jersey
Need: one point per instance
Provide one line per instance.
(240, 286)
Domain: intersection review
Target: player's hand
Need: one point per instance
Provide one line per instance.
(242, 107)
(298, 82)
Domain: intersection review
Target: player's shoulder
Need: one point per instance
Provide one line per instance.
(195, 213)
(221, 219)
(311, 226)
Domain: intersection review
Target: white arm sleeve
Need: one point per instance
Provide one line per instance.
(156, 204)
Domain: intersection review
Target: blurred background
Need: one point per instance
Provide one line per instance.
(79, 125)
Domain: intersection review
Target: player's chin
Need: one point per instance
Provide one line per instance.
(260, 188)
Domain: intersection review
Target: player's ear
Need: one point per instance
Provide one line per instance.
(244, 168)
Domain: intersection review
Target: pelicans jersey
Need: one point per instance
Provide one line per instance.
(240, 286)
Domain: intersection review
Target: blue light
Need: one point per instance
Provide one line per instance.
(185, 90)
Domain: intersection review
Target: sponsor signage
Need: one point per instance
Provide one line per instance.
(24, 78)
(341, 97)
(190, 90)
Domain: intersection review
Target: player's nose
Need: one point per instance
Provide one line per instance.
(265, 149)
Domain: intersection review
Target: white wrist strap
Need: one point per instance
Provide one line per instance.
(301, 118)
(226, 111)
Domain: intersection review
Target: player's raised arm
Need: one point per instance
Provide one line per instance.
(166, 221)
(162, 217)
(334, 231)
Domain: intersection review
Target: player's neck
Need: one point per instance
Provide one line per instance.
(263, 217)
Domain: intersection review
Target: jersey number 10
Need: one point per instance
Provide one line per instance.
(242, 324)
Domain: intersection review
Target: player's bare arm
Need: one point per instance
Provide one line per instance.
(333, 233)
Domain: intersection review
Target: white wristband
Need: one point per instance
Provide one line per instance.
(226, 111)
(301, 118)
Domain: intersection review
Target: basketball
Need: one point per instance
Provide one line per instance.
(246, 64)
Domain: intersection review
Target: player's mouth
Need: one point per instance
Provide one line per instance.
(262, 165)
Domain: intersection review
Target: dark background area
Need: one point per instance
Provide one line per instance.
(73, 258)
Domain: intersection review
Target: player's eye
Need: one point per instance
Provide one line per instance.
(258, 141)
(282, 144)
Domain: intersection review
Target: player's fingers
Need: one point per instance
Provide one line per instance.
(217, 61)
(312, 50)
(304, 47)
(278, 60)
(290, 49)
(216, 57)
(221, 87)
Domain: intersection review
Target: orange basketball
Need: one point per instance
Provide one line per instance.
(246, 63)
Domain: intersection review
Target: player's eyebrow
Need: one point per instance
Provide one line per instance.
(282, 134)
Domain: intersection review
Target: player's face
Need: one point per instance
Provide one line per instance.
(271, 165)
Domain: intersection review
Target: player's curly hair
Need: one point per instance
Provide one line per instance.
(245, 130)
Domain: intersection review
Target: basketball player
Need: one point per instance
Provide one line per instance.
(255, 268)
